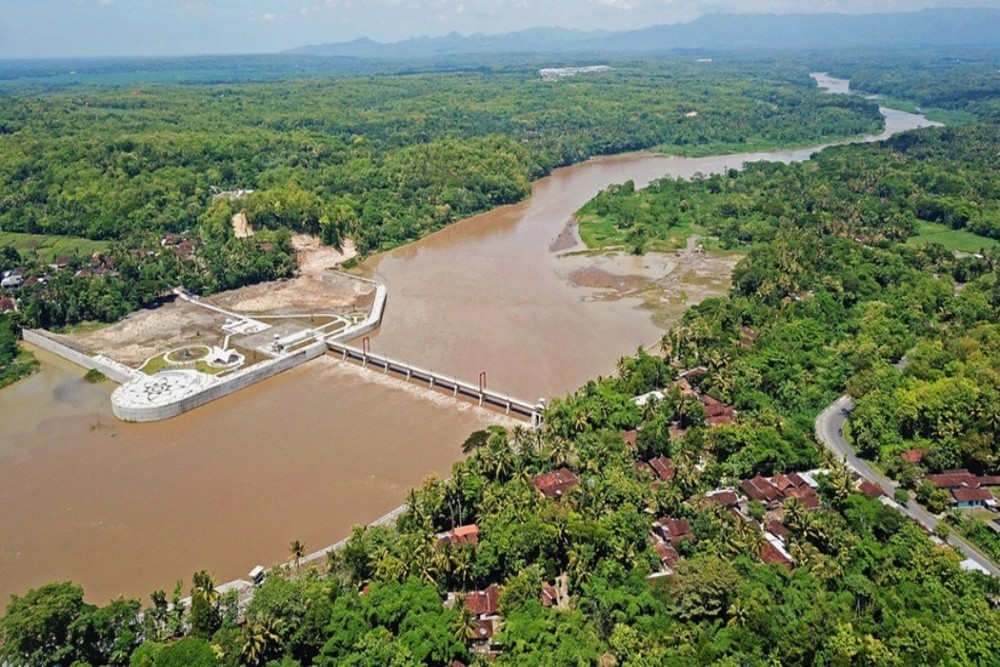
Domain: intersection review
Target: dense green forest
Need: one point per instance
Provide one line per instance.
(827, 298)
(879, 193)
(952, 85)
(384, 158)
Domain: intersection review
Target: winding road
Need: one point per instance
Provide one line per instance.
(829, 431)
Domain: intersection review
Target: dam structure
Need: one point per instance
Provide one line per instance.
(143, 397)
(441, 382)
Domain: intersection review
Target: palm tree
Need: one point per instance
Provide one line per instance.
(260, 636)
(560, 450)
(465, 624)
(794, 515)
(460, 564)
(739, 613)
(579, 563)
(298, 551)
(204, 586)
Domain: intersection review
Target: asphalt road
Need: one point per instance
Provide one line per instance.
(829, 431)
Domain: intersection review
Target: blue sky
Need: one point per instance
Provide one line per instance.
(45, 28)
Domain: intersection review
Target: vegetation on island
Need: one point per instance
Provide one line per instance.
(828, 298)
(877, 193)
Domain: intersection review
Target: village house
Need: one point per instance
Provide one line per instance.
(663, 469)
(873, 491)
(12, 279)
(776, 528)
(629, 438)
(672, 531)
(7, 305)
(484, 607)
(461, 536)
(965, 498)
(61, 262)
(960, 477)
(717, 412)
(773, 552)
(747, 337)
(726, 498)
(555, 484)
(669, 557)
(772, 492)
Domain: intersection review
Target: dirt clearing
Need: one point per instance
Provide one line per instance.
(146, 333)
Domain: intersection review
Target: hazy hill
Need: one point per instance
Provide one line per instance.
(930, 27)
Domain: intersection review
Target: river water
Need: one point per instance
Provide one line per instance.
(125, 509)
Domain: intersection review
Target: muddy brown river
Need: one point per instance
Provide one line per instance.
(125, 509)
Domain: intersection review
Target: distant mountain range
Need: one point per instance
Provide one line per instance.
(930, 27)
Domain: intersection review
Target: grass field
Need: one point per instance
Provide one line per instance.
(952, 239)
(49, 247)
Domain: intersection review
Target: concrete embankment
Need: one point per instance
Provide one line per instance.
(145, 398)
(115, 371)
(132, 411)
(172, 393)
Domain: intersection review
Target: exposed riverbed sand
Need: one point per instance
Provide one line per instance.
(668, 283)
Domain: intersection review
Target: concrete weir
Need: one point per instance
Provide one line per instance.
(510, 405)
(169, 393)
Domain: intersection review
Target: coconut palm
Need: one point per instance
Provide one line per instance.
(465, 627)
(298, 551)
(260, 637)
(204, 586)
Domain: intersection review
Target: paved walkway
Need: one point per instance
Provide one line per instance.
(829, 431)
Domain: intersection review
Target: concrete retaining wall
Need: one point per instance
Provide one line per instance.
(112, 369)
(227, 386)
(372, 322)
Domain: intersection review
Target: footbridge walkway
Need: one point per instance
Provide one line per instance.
(476, 391)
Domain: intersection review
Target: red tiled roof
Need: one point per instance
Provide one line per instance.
(663, 468)
(554, 484)
(806, 495)
(964, 495)
(629, 438)
(723, 498)
(718, 420)
(871, 490)
(951, 479)
(794, 478)
(668, 555)
(673, 530)
(781, 482)
(6, 304)
(462, 535)
(777, 529)
(759, 488)
(770, 555)
(484, 629)
(483, 603)
(685, 386)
